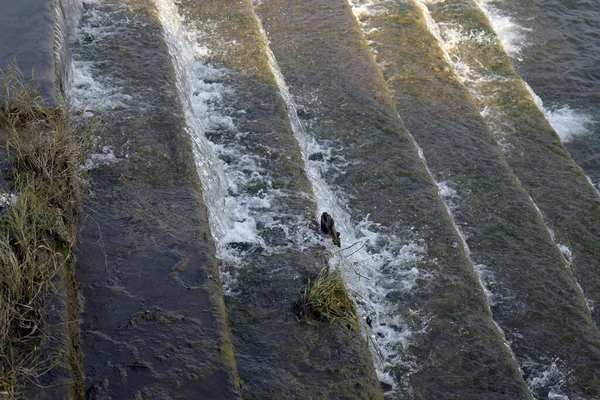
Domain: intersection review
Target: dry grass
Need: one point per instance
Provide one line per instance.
(37, 237)
(327, 299)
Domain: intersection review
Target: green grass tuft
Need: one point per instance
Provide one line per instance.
(327, 299)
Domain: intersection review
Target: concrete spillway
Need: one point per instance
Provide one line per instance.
(227, 127)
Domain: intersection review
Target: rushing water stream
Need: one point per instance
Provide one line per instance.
(470, 237)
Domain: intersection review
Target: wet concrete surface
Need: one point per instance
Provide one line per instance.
(27, 32)
(153, 322)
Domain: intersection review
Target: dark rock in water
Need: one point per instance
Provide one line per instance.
(328, 228)
(98, 392)
(317, 157)
(246, 246)
(386, 387)
(303, 114)
(227, 159)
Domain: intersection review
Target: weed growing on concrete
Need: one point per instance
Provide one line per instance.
(327, 299)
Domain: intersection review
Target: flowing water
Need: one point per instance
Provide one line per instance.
(345, 105)
(502, 227)
(556, 51)
(263, 219)
(470, 238)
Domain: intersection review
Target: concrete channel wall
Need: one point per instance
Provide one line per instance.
(27, 29)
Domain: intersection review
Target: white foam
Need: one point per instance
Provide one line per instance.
(375, 267)
(202, 115)
(544, 377)
(552, 395)
(452, 38)
(107, 156)
(370, 8)
(512, 35)
(596, 186)
(92, 90)
(447, 193)
(7, 199)
(566, 122)
(566, 252)
(569, 123)
(235, 213)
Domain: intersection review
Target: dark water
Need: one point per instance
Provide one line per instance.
(559, 59)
